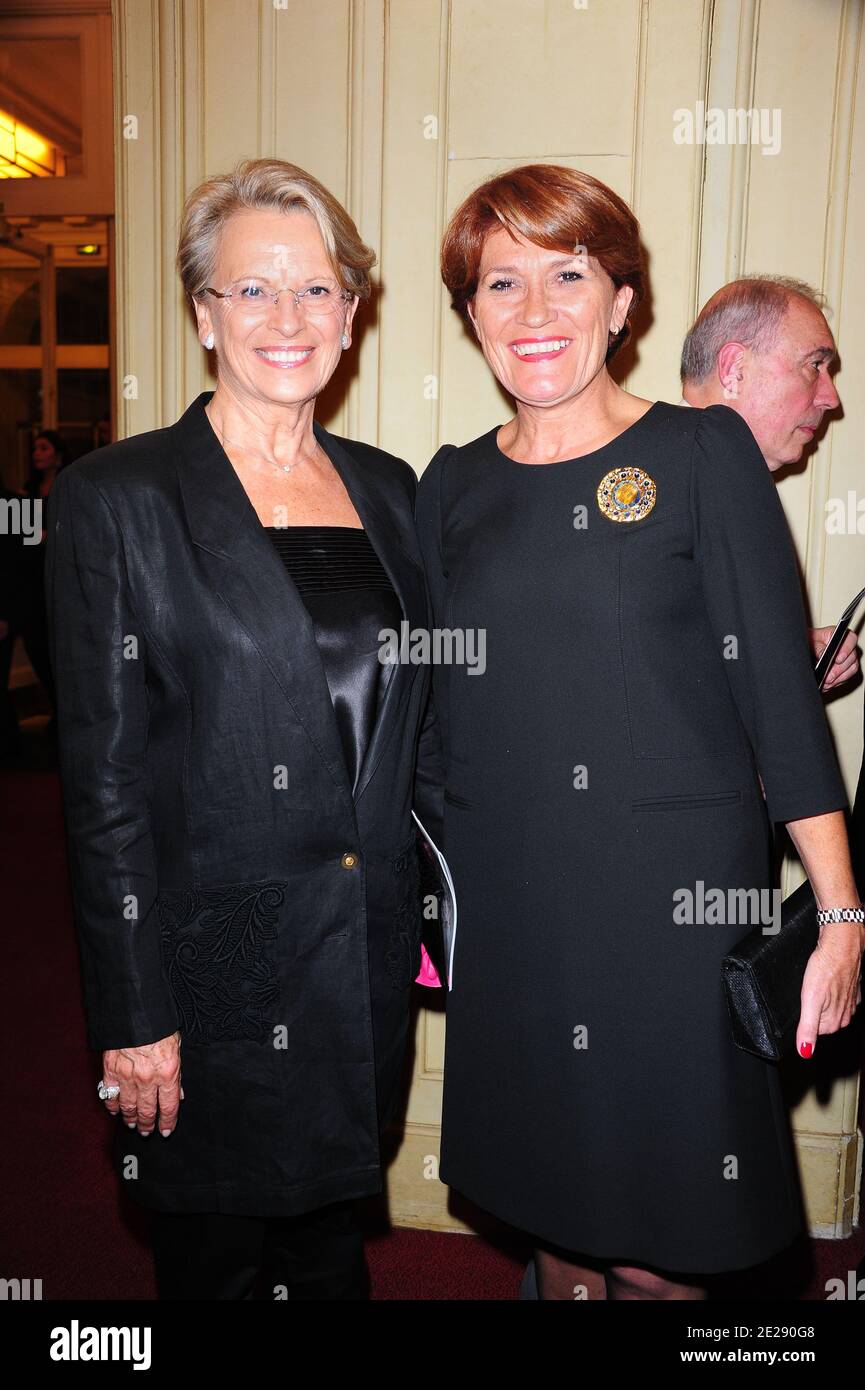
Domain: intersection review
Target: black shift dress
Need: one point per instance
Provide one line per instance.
(638, 674)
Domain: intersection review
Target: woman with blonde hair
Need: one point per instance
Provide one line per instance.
(237, 764)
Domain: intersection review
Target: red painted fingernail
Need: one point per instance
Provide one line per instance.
(806, 1049)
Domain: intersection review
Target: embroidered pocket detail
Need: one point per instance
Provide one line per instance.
(402, 958)
(214, 948)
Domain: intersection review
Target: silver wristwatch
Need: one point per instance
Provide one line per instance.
(840, 914)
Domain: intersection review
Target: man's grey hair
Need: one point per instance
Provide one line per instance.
(747, 311)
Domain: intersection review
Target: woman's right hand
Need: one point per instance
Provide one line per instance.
(149, 1081)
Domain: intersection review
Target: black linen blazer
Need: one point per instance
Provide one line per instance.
(226, 880)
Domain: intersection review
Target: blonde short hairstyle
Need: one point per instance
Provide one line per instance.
(268, 183)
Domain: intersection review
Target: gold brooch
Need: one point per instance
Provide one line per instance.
(627, 494)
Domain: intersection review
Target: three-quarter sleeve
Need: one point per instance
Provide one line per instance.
(754, 602)
(98, 657)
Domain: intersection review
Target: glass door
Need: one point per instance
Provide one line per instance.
(25, 279)
(55, 339)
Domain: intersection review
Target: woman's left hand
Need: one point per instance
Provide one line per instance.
(831, 989)
(846, 663)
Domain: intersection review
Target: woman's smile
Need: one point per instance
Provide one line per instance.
(539, 349)
(284, 358)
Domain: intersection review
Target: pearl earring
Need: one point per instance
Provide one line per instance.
(345, 340)
(208, 342)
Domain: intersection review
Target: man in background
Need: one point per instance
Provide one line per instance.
(762, 346)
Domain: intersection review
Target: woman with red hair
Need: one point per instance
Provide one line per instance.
(646, 662)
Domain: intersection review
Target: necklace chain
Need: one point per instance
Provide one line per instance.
(280, 470)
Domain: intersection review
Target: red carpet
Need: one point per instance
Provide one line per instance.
(61, 1218)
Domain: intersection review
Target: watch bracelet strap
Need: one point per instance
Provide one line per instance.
(840, 914)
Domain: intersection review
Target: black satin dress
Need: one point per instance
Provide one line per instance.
(350, 599)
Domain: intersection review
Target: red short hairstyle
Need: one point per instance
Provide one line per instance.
(556, 208)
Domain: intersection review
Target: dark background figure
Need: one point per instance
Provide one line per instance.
(10, 544)
(22, 586)
(48, 458)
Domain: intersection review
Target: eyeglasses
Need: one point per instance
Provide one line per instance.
(255, 297)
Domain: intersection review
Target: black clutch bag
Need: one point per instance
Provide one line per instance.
(763, 973)
(763, 978)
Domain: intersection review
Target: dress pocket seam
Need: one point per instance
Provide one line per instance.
(695, 802)
(452, 799)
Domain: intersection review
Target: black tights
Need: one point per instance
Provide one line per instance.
(565, 1275)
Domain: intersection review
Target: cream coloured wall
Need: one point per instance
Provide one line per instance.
(401, 106)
